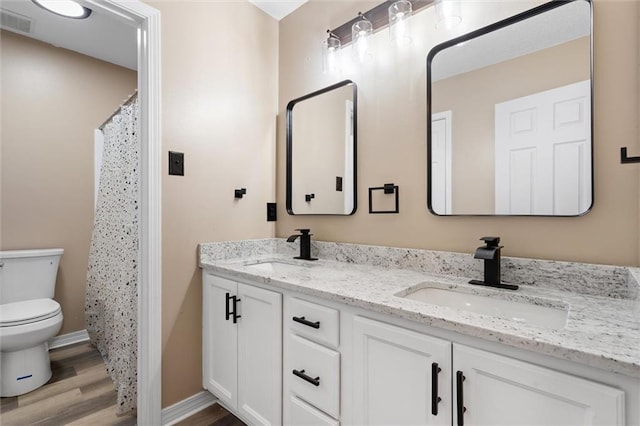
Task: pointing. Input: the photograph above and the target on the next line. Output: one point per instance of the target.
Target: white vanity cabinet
(283, 357)
(403, 377)
(496, 390)
(242, 348)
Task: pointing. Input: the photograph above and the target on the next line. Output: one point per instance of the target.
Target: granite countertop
(600, 331)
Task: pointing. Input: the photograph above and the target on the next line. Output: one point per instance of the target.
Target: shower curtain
(111, 303)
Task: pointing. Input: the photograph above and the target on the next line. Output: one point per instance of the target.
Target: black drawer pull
(314, 382)
(460, 398)
(435, 399)
(227, 314)
(308, 323)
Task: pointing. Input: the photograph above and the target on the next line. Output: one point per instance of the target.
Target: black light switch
(339, 183)
(176, 163)
(271, 212)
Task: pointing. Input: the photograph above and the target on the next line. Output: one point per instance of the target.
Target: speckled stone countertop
(603, 322)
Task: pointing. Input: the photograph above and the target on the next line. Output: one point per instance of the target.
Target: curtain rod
(125, 103)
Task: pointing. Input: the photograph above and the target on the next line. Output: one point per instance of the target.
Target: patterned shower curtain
(111, 303)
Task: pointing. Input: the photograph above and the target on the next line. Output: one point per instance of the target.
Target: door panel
(553, 129)
(393, 375)
(260, 355)
(441, 202)
(498, 390)
(220, 355)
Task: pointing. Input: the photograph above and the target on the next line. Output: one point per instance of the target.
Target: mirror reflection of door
(441, 162)
(543, 154)
(349, 160)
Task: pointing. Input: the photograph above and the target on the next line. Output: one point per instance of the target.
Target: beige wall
(392, 141)
(472, 97)
(52, 100)
(219, 106)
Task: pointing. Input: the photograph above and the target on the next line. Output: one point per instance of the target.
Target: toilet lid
(27, 311)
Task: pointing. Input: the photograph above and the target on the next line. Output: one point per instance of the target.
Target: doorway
(147, 20)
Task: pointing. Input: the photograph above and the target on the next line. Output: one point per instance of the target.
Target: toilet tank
(28, 274)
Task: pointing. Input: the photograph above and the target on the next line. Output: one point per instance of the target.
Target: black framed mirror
(509, 124)
(321, 139)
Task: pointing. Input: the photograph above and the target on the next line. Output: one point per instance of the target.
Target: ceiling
(100, 35)
(278, 9)
(560, 25)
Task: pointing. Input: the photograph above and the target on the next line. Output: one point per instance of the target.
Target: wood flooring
(81, 392)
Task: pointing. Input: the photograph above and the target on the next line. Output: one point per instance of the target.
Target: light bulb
(361, 32)
(399, 29)
(448, 14)
(330, 54)
(66, 8)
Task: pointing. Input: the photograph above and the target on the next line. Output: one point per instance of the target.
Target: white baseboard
(187, 407)
(68, 339)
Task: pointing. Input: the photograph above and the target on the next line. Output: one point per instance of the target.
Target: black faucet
(491, 255)
(305, 244)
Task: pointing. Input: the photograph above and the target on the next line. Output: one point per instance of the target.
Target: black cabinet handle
(435, 399)
(227, 314)
(314, 382)
(460, 398)
(306, 322)
(235, 309)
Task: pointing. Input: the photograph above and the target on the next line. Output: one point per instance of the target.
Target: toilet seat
(28, 311)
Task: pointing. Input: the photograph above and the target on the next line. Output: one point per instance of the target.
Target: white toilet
(29, 317)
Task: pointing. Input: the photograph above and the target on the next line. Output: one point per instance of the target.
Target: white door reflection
(542, 153)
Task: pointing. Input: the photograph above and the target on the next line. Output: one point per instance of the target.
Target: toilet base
(24, 370)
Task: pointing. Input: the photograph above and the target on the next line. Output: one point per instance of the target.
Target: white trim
(147, 19)
(187, 407)
(68, 339)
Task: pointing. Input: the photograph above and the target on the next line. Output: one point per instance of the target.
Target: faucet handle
(491, 241)
(304, 231)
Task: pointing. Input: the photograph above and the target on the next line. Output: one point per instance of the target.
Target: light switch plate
(272, 212)
(176, 163)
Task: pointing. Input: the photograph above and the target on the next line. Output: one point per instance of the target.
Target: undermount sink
(275, 267)
(524, 313)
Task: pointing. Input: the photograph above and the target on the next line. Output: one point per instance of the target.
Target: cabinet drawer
(303, 414)
(315, 321)
(314, 374)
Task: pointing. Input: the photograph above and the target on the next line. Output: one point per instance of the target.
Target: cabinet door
(260, 355)
(220, 340)
(393, 380)
(498, 390)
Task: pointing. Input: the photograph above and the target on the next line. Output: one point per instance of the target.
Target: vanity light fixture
(399, 27)
(330, 54)
(65, 8)
(359, 30)
(361, 33)
(448, 14)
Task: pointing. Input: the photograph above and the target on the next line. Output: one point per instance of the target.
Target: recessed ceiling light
(66, 8)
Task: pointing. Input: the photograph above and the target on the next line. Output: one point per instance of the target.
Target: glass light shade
(399, 28)
(330, 55)
(66, 8)
(448, 14)
(361, 34)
